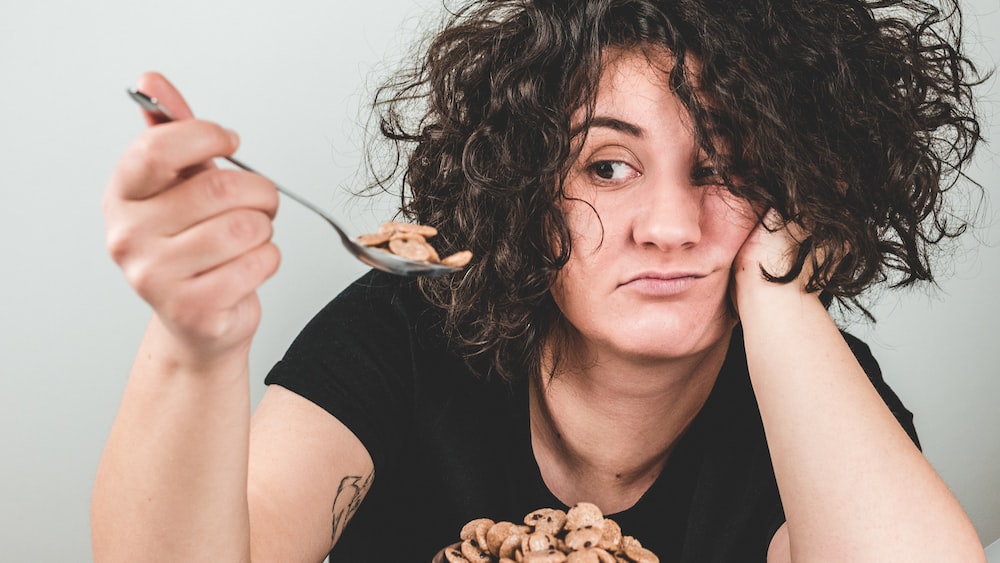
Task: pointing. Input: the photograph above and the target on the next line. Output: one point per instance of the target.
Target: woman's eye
(613, 170)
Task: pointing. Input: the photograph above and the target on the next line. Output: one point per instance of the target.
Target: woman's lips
(662, 285)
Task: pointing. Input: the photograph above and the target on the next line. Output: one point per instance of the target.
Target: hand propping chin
(770, 247)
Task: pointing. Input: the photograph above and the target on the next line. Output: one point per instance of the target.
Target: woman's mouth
(662, 284)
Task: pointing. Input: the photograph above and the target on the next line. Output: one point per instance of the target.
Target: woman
(661, 198)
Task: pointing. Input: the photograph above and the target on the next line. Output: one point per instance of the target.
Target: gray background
(294, 79)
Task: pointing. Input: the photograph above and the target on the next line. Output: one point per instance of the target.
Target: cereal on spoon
(408, 240)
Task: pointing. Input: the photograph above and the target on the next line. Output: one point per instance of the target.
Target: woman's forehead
(633, 83)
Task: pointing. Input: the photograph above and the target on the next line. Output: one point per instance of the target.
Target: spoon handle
(161, 114)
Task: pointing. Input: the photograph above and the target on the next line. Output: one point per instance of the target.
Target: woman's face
(654, 234)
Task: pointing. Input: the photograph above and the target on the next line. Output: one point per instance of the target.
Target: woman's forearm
(171, 485)
(853, 485)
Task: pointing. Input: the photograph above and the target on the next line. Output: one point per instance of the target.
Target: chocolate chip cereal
(548, 535)
(409, 241)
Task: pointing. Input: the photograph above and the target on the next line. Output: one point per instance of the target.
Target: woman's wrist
(162, 353)
(766, 301)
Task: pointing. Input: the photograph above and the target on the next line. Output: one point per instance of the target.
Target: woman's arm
(175, 483)
(171, 485)
(853, 485)
(194, 242)
(308, 476)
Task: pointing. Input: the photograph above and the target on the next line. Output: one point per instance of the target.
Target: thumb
(155, 85)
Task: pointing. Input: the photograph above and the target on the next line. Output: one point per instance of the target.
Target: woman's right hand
(193, 241)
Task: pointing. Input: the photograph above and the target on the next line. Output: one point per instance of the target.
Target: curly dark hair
(852, 118)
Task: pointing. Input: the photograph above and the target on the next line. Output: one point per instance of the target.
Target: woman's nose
(669, 216)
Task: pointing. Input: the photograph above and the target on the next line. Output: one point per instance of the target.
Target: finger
(217, 241)
(166, 153)
(209, 305)
(156, 85)
(141, 234)
(153, 264)
(197, 199)
(231, 282)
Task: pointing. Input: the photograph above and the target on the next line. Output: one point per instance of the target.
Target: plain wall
(294, 78)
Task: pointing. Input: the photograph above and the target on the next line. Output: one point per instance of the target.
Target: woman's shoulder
(375, 290)
(378, 324)
(378, 301)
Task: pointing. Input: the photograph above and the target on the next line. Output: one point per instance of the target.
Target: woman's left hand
(771, 247)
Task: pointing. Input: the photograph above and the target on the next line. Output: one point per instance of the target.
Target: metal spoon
(377, 259)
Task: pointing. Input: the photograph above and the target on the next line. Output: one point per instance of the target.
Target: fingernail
(233, 136)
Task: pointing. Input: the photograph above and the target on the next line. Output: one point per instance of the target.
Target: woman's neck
(603, 430)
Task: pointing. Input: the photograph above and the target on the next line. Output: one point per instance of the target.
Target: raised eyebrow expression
(610, 123)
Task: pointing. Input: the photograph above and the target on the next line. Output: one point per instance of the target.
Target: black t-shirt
(449, 447)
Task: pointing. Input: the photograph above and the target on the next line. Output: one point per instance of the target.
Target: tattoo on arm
(351, 491)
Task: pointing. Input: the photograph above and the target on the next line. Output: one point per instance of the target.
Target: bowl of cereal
(548, 535)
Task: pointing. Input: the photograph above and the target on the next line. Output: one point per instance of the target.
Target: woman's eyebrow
(612, 123)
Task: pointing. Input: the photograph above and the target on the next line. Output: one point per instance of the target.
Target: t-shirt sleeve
(353, 360)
